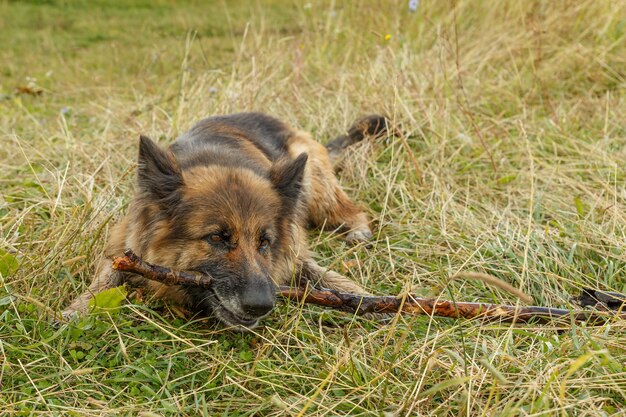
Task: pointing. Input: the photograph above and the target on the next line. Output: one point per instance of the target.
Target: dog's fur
(232, 198)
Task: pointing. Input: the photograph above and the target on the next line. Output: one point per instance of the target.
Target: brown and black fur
(232, 198)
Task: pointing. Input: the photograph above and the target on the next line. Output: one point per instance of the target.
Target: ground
(512, 165)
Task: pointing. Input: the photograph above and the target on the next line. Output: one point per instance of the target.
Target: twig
(133, 263)
(362, 304)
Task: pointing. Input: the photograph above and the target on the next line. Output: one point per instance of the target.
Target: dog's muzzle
(245, 306)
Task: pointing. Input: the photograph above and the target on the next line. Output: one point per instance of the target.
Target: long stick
(362, 304)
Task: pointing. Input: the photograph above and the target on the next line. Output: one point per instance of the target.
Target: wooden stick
(133, 263)
(363, 304)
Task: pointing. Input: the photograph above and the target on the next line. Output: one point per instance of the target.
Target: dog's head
(228, 222)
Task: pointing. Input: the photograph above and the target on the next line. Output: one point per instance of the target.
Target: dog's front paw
(67, 316)
(354, 237)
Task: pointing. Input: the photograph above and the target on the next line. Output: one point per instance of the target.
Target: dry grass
(516, 123)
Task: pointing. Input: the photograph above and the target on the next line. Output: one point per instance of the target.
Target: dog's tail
(373, 125)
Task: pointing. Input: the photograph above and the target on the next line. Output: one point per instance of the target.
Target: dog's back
(249, 140)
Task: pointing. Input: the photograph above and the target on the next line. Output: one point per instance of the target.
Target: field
(512, 165)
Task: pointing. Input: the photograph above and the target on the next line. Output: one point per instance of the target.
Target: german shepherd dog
(232, 198)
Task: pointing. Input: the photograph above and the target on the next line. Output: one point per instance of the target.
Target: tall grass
(512, 165)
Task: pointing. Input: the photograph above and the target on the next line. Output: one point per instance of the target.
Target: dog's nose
(258, 308)
(258, 298)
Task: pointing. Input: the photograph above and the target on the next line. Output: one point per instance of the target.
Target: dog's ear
(158, 174)
(287, 175)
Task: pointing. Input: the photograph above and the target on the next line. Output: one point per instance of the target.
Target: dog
(233, 198)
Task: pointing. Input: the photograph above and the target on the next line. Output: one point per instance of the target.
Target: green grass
(515, 119)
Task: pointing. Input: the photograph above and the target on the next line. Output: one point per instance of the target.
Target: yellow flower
(387, 37)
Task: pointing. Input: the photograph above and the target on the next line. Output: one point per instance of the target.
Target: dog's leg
(319, 276)
(105, 278)
(326, 202)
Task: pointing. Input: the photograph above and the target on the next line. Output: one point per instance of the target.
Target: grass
(516, 130)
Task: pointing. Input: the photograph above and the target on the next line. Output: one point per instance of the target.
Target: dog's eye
(264, 246)
(216, 238)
